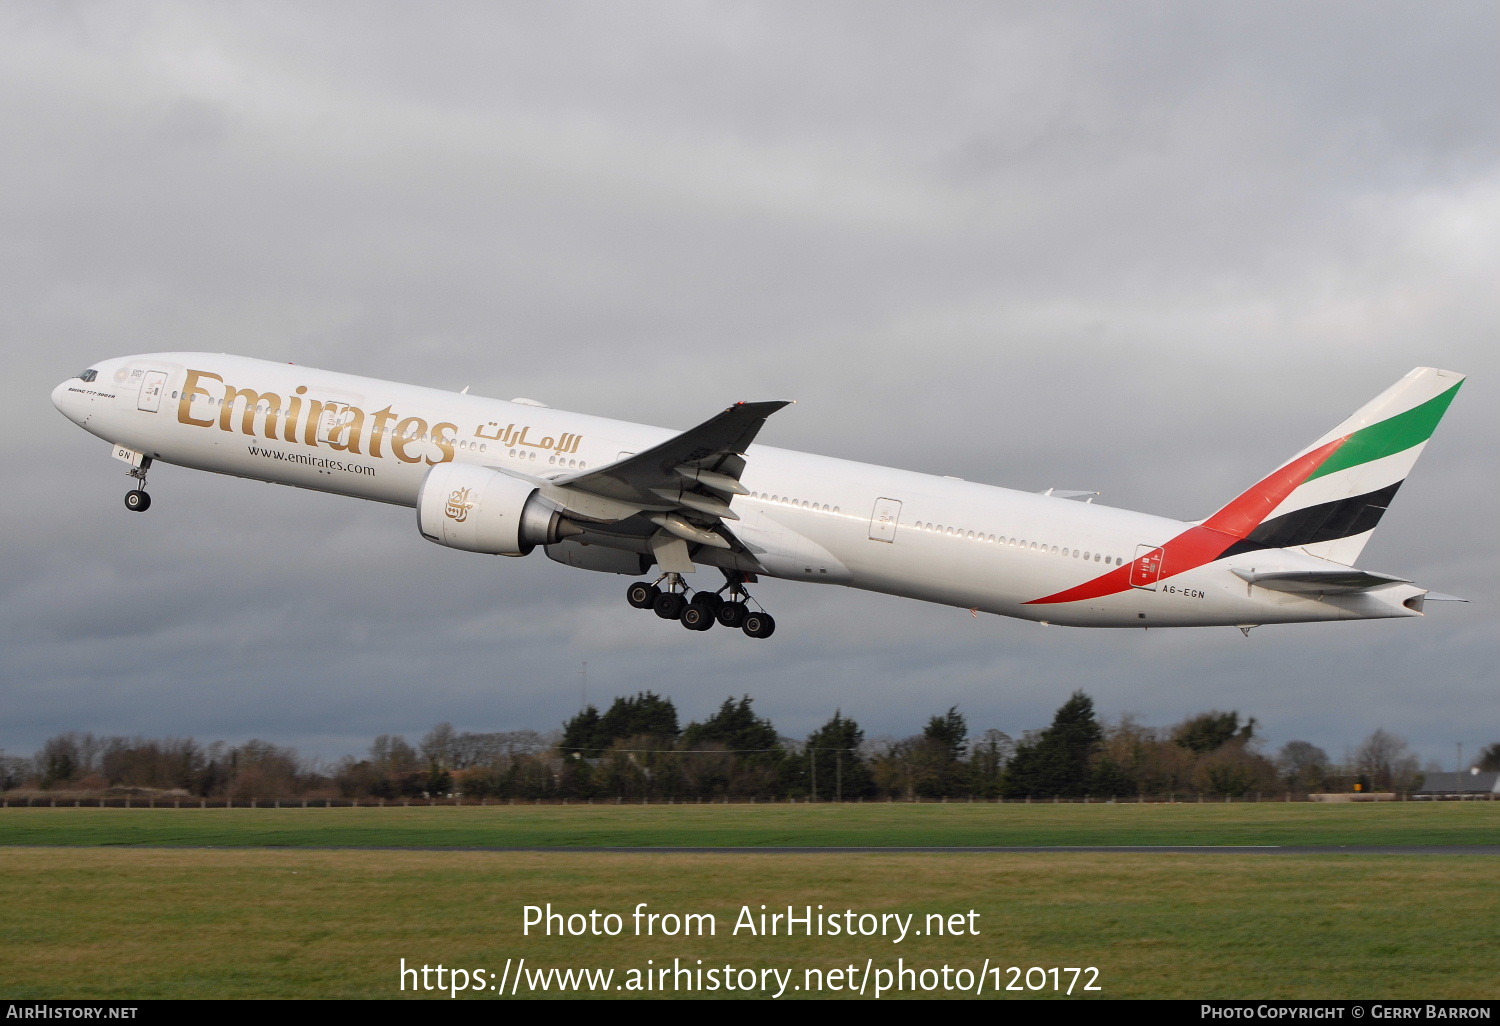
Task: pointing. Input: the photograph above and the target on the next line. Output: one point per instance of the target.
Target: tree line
(636, 748)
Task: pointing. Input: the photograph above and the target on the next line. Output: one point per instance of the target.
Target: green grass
(885, 825)
(133, 924)
(128, 904)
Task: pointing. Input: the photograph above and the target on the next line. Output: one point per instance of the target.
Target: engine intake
(482, 510)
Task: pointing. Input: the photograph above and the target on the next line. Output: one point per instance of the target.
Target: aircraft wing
(682, 486)
(702, 459)
(1318, 582)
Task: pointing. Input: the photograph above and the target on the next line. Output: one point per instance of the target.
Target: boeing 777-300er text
(491, 476)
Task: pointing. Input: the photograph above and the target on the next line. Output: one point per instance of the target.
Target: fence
(63, 800)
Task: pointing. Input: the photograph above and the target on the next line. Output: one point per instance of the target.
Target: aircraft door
(884, 519)
(340, 415)
(332, 421)
(1146, 570)
(152, 386)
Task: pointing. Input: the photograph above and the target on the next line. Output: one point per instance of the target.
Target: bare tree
(1303, 766)
(1234, 770)
(391, 754)
(437, 746)
(259, 769)
(1386, 762)
(1153, 762)
(13, 770)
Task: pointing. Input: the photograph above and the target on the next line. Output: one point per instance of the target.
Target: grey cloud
(1151, 250)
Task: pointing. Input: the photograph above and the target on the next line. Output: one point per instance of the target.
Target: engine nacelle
(482, 510)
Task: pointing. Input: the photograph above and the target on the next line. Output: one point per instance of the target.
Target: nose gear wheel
(136, 500)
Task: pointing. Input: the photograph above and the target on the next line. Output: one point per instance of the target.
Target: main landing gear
(136, 500)
(668, 596)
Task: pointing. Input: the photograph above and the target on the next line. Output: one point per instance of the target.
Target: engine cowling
(482, 510)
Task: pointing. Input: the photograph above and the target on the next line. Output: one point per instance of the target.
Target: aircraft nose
(67, 402)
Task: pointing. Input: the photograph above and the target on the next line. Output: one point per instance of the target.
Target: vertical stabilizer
(1329, 497)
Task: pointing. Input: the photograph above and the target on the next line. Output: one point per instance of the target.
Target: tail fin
(1328, 498)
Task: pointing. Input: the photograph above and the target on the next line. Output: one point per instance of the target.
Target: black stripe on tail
(1327, 521)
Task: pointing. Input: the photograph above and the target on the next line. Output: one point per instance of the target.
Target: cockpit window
(88, 375)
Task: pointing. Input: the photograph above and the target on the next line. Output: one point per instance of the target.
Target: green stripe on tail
(1389, 437)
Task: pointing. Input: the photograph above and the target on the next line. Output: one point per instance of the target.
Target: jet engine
(482, 510)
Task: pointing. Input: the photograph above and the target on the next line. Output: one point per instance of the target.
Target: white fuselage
(808, 517)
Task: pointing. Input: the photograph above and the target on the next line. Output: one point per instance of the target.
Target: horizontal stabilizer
(1318, 582)
(1437, 596)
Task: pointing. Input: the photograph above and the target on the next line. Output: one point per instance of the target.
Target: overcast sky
(1149, 249)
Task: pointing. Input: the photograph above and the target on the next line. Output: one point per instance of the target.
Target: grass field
(193, 922)
(885, 825)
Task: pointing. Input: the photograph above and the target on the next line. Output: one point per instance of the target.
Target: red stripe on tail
(1205, 542)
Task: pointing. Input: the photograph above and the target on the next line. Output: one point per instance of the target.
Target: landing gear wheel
(732, 614)
(642, 594)
(708, 600)
(696, 617)
(759, 625)
(137, 501)
(668, 605)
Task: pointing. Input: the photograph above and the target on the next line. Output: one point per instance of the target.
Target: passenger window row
(1019, 543)
(784, 500)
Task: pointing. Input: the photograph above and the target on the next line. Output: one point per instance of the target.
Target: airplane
(504, 477)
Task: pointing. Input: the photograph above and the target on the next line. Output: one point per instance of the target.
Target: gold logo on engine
(459, 505)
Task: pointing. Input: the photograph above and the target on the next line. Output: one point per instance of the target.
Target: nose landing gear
(136, 500)
(668, 597)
